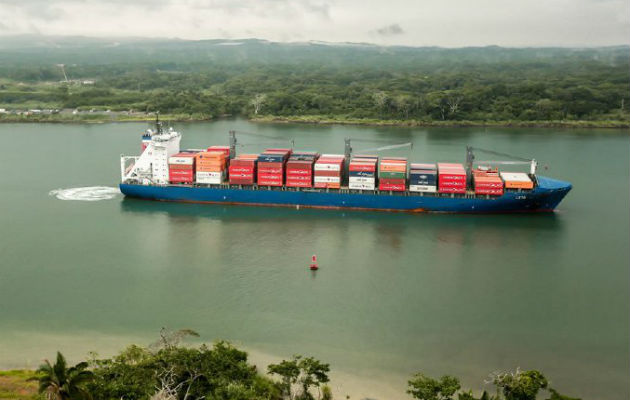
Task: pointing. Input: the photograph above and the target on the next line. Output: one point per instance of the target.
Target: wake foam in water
(91, 193)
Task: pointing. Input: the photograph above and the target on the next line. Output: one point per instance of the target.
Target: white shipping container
(515, 176)
(327, 179)
(361, 186)
(181, 160)
(422, 188)
(212, 178)
(212, 174)
(210, 181)
(361, 179)
(332, 156)
(323, 166)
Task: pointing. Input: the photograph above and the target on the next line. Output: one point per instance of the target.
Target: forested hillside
(205, 79)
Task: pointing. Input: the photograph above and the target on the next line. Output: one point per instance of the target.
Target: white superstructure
(151, 167)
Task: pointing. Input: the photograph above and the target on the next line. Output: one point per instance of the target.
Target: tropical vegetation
(169, 370)
(318, 83)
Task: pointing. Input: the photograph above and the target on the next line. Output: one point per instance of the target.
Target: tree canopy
(258, 78)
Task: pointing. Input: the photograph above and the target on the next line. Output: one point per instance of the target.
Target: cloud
(417, 23)
(389, 30)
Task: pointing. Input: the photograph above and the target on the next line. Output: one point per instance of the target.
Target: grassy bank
(14, 385)
(311, 119)
(328, 120)
(99, 118)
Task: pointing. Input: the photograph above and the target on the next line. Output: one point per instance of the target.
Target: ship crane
(515, 160)
(234, 141)
(349, 149)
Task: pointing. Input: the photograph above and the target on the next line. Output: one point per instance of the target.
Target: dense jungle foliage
(207, 79)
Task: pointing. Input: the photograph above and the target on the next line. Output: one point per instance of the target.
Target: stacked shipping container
(422, 178)
(271, 165)
(300, 169)
(211, 167)
(451, 178)
(487, 182)
(392, 174)
(242, 170)
(181, 168)
(279, 167)
(328, 171)
(362, 173)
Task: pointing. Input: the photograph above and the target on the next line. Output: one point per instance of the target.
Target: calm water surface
(458, 294)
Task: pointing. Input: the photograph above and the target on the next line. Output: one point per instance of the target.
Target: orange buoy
(313, 265)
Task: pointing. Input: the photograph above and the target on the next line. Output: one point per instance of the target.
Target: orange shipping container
(517, 180)
(212, 163)
(393, 167)
(214, 155)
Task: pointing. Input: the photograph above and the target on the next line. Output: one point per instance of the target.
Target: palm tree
(62, 383)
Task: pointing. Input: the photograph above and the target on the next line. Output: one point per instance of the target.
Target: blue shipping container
(271, 158)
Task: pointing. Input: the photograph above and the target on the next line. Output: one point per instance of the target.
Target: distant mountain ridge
(38, 49)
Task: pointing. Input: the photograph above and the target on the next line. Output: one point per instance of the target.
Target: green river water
(396, 293)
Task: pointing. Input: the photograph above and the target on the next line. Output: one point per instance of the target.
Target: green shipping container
(392, 175)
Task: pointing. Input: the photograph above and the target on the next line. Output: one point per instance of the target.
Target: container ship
(293, 178)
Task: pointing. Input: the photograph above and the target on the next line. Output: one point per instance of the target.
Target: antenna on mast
(232, 144)
(158, 124)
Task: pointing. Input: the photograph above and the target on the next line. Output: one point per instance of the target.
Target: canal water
(396, 294)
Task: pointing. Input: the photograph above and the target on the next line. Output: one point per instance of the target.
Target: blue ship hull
(545, 197)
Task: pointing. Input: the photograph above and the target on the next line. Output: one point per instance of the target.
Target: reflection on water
(387, 229)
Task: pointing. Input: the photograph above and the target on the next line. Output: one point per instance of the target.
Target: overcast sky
(449, 23)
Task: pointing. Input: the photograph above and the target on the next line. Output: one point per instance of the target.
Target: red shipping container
(300, 164)
(299, 172)
(269, 176)
(241, 181)
(181, 178)
(489, 185)
(180, 167)
(299, 184)
(451, 177)
(243, 162)
(270, 183)
(300, 177)
(270, 170)
(181, 172)
(243, 175)
(489, 181)
(362, 167)
(493, 192)
(327, 173)
(222, 149)
(451, 184)
(271, 164)
(391, 186)
(451, 190)
(240, 170)
(390, 181)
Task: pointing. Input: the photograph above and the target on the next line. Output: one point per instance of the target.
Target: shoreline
(319, 120)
